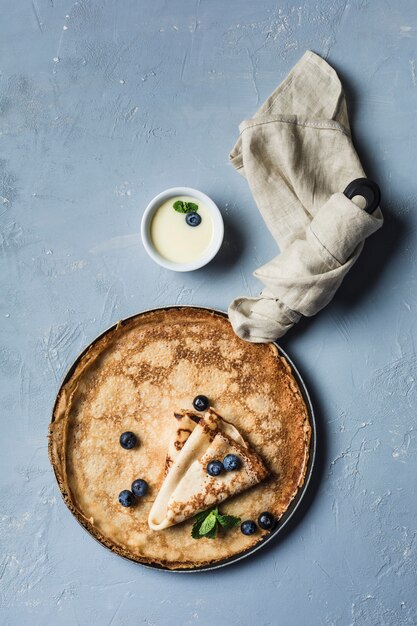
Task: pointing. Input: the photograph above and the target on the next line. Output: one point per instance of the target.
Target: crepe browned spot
(186, 422)
(135, 377)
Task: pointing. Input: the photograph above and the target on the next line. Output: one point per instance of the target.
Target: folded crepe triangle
(188, 488)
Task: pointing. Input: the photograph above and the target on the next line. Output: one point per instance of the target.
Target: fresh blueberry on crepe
(248, 527)
(215, 468)
(128, 440)
(193, 219)
(201, 403)
(231, 462)
(266, 520)
(126, 497)
(139, 487)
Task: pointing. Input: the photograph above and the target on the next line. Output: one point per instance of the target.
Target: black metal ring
(367, 189)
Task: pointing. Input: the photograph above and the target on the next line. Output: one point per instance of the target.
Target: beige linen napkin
(297, 156)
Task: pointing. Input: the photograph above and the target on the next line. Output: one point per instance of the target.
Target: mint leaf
(212, 534)
(202, 515)
(185, 207)
(209, 523)
(195, 531)
(199, 519)
(206, 523)
(179, 206)
(227, 521)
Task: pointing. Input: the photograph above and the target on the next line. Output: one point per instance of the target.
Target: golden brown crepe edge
(307, 429)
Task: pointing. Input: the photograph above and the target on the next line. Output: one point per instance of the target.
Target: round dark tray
(289, 513)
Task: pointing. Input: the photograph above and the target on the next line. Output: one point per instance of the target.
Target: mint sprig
(228, 521)
(183, 206)
(207, 523)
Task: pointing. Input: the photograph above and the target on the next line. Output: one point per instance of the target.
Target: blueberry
(193, 219)
(128, 440)
(266, 520)
(231, 462)
(139, 487)
(248, 527)
(201, 403)
(214, 468)
(126, 497)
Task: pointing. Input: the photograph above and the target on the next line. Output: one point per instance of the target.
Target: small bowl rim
(218, 229)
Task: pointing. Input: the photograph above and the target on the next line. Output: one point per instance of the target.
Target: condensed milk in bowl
(182, 229)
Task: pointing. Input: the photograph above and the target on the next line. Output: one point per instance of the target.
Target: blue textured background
(104, 104)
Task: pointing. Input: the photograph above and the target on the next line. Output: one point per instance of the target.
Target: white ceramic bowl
(218, 229)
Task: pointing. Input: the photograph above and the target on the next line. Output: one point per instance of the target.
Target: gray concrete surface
(105, 103)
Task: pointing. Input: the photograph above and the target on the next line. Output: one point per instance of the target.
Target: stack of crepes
(188, 488)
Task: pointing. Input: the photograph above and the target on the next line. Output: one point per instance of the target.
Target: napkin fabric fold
(297, 156)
